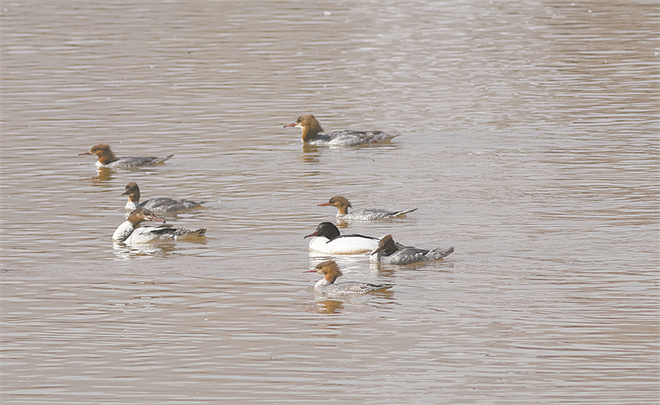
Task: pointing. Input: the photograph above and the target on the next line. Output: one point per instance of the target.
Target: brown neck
(310, 130)
(107, 157)
(135, 220)
(309, 134)
(390, 248)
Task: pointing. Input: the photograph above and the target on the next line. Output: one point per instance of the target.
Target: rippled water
(529, 142)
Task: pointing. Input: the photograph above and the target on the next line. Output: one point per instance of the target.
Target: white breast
(343, 245)
(141, 235)
(123, 231)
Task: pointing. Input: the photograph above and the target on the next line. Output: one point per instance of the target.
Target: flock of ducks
(326, 239)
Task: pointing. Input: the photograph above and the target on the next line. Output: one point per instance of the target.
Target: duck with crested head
(312, 133)
(390, 252)
(327, 239)
(328, 285)
(106, 158)
(159, 205)
(130, 232)
(364, 214)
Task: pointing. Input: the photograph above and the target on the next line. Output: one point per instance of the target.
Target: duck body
(128, 162)
(370, 214)
(147, 234)
(328, 285)
(130, 232)
(163, 205)
(313, 134)
(326, 239)
(347, 137)
(364, 214)
(390, 252)
(346, 287)
(158, 205)
(343, 245)
(106, 158)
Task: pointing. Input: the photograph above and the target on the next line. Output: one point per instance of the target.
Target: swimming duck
(327, 239)
(130, 232)
(108, 159)
(311, 133)
(390, 252)
(364, 214)
(158, 205)
(328, 285)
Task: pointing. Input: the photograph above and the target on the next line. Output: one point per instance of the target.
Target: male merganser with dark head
(311, 133)
(364, 214)
(159, 205)
(130, 232)
(326, 239)
(328, 285)
(390, 252)
(108, 159)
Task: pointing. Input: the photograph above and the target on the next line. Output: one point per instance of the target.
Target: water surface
(529, 142)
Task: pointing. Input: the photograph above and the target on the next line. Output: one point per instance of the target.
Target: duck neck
(134, 197)
(308, 134)
(310, 131)
(107, 157)
(390, 248)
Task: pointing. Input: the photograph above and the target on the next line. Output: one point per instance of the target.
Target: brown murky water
(529, 142)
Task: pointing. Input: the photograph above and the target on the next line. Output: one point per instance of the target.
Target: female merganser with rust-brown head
(312, 133)
(390, 252)
(159, 205)
(328, 285)
(108, 159)
(364, 214)
(130, 232)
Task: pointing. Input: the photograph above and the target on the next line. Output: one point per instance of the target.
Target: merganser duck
(390, 252)
(159, 205)
(108, 159)
(328, 286)
(311, 129)
(364, 214)
(326, 239)
(130, 232)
